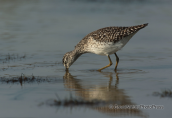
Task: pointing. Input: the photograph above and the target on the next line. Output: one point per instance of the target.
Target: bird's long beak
(67, 70)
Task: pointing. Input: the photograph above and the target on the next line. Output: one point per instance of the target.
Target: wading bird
(105, 41)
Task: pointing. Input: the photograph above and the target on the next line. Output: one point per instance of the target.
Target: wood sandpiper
(105, 41)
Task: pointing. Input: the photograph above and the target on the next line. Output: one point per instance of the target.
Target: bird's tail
(138, 27)
(134, 29)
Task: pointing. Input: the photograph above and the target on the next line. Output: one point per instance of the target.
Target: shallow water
(36, 34)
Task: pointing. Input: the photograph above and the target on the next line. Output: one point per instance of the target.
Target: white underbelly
(107, 48)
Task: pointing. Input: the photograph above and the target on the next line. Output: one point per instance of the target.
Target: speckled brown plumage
(105, 41)
(111, 34)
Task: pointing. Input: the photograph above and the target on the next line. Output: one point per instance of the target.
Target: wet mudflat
(35, 35)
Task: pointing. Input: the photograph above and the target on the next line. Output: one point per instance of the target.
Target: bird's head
(68, 60)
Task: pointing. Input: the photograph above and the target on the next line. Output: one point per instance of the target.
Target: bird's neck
(76, 53)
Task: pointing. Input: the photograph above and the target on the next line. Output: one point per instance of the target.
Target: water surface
(36, 34)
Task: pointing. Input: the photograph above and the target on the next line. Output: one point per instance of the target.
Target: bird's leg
(110, 63)
(117, 60)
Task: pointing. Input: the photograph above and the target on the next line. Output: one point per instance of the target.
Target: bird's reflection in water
(109, 94)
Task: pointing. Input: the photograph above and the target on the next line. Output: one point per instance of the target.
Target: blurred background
(35, 34)
(58, 25)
